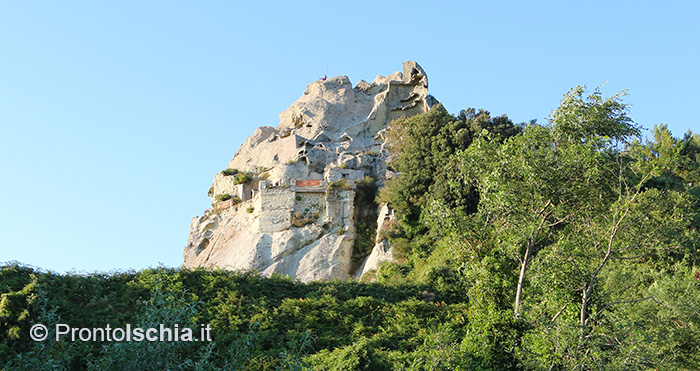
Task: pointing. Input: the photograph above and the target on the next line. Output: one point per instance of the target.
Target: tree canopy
(583, 231)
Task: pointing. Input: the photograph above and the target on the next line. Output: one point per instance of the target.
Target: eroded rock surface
(286, 205)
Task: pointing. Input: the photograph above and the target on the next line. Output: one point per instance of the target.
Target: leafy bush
(242, 178)
(224, 197)
(168, 309)
(361, 355)
(339, 184)
(229, 172)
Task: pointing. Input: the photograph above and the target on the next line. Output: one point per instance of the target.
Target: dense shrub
(229, 172)
(257, 323)
(223, 197)
(241, 178)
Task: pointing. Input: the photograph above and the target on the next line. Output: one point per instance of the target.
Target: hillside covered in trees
(568, 245)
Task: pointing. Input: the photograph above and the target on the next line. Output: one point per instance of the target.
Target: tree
(583, 225)
(579, 119)
(423, 149)
(606, 263)
(529, 188)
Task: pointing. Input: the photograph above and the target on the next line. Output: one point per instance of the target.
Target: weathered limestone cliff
(286, 203)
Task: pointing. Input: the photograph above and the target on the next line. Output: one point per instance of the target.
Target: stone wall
(340, 207)
(308, 203)
(276, 206)
(222, 185)
(243, 191)
(226, 184)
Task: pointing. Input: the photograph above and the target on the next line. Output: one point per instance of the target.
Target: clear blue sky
(115, 116)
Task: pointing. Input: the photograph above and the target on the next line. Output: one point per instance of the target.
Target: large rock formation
(286, 203)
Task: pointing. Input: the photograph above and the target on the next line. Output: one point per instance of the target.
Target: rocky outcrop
(286, 203)
(382, 251)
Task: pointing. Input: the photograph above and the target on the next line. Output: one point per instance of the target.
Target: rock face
(286, 203)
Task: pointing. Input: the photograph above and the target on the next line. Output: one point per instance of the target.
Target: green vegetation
(257, 323)
(241, 178)
(229, 172)
(576, 242)
(570, 245)
(250, 209)
(425, 146)
(308, 215)
(224, 197)
(339, 184)
(304, 218)
(366, 212)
